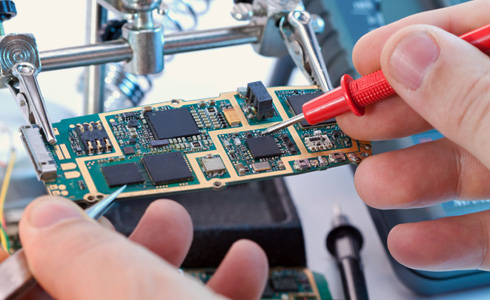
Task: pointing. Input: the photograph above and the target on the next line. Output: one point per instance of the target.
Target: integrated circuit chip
(128, 150)
(121, 174)
(167, 168)
(172, 123)
(263, 147)
(296, 103)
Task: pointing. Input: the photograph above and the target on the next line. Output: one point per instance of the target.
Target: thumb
(73, 257)
(444, 79)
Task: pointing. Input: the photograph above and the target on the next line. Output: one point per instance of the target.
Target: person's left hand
(73, 257)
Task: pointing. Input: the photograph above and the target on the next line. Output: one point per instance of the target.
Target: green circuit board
(284, 284)
(180, 146)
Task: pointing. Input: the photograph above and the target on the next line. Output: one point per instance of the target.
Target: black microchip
(285, 284)
(172, 123)
(296, 103)
(129, 115)
(263, 147)
(159, 143)
(167, 168)
(117, 175)
(132, 141)
(128, 150)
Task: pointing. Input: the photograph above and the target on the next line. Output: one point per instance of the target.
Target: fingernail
(50, 211)
(412, 59)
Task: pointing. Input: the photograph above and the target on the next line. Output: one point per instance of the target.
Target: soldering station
(226, 157)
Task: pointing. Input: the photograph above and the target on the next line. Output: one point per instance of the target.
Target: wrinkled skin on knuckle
(471, 108)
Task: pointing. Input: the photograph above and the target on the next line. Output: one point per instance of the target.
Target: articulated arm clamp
(19, 66)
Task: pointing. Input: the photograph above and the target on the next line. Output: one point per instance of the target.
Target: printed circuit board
(284, 284)
(181, 146)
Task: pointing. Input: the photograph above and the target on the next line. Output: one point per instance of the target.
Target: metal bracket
(302, 45)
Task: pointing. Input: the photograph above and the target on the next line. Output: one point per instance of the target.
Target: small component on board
(336, 157)
(213, 166)
(231, 117)
(262, 166)
(302, 164)
(94, 137)
(260, 99)
(318, 143)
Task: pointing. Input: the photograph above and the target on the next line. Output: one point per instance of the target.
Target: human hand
(442, 82)
(73, 257)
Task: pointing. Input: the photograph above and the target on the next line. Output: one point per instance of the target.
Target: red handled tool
(354, 95)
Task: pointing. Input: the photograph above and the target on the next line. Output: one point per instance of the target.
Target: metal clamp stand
(142, 46)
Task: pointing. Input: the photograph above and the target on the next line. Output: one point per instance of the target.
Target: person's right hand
(73, 257)
(442, 82)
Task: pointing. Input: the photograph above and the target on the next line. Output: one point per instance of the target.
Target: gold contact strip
(192, 157)
(58, 152)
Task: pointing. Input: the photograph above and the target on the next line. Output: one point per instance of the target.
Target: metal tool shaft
(98, 210)
(284, 124)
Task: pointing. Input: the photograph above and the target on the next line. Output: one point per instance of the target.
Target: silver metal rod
(212, 38)
(94, 75)
(102, 53)
(115, 51)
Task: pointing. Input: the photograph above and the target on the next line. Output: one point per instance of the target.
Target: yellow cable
(3, 195)
(5, 242)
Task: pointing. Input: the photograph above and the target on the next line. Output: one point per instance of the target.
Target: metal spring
(122, 89)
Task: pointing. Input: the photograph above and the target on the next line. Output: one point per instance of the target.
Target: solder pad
(196, 130)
